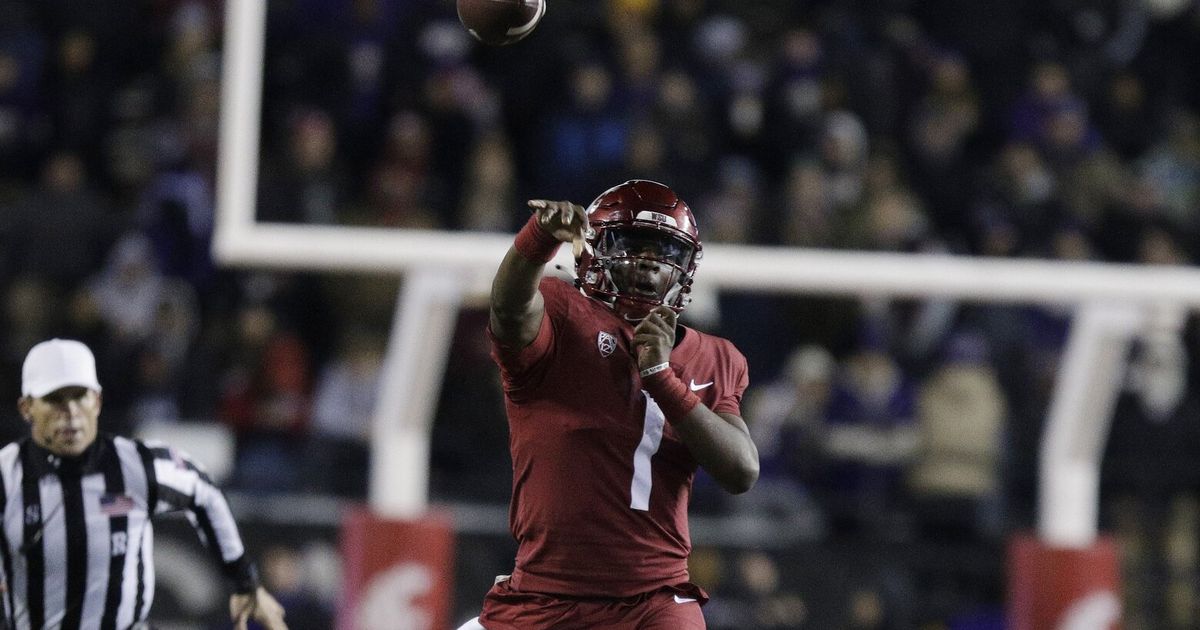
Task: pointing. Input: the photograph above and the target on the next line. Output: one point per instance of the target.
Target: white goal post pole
(240, 121)
(409, 384)
(1090, 377)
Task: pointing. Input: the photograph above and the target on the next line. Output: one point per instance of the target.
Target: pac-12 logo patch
(606, 342)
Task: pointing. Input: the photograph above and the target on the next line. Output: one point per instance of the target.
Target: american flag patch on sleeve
(116, 504)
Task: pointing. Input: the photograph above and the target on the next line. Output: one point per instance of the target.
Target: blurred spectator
(844, 150)
(682, 118)
(22, 59)
(372, 24)
(396, 189)
(128, 290)
(29, 309)
(284, 574)
(752, 590)
(946, 121)
(1157, 537)
(306, 185)
(338, 449)
(1151, 417)
(647, 151)
(790, 414)
(1026, 191)
(165, 358)
(1127, 117)
(138, 317)
(464, 461)
(871, 439)
(458, 103)
(1091, 175)
(586, 140)
(1181, 552)
(265, 399)
(1172, 167)
(639, 53)
(1048, 91)
(892, 220)
(808, 217)
(81, 92)
(769, 605)
(794, 95)
(729, 212)
(955, 478)
(1157, 375)
(1160, 245)
(177, 213)
(65, 227)
(489, 197)
(1132, 530)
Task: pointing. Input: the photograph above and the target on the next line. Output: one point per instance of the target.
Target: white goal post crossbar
(1115, 303)
(724, 267)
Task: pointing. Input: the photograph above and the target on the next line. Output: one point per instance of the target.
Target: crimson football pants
(506, 608)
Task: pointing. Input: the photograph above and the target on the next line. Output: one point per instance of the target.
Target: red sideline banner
(1063, 589)
(398, 574)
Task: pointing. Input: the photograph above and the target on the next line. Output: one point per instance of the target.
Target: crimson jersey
(600, 482)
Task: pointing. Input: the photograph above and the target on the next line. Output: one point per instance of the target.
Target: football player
(611, 407)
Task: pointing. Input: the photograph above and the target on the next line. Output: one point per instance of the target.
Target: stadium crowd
(1058, 130)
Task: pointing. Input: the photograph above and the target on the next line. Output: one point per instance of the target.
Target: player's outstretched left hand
(654, 337)
(259, 606)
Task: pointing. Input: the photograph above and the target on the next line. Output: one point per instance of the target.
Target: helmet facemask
(642, 246)
(636, 268)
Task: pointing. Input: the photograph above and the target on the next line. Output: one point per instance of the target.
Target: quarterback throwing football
(611, 407)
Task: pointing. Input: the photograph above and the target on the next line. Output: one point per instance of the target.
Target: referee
(76, 537)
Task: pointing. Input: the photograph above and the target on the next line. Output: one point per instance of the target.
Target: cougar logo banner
(1101, 609)
(398, 573)
(606, 342)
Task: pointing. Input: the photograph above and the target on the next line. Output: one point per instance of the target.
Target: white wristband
(654, 369)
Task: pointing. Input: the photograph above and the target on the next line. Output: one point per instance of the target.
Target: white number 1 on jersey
(652, 430)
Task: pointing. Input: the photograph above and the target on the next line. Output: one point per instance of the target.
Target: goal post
(1114, 303)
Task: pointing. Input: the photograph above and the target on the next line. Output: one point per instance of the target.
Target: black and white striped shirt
(77, 535)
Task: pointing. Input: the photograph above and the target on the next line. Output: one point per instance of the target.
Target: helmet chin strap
(635, 313)
(629, 311)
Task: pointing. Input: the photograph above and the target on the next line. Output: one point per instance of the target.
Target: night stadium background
(899, 437)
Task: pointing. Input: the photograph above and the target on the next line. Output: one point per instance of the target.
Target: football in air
(500, 22)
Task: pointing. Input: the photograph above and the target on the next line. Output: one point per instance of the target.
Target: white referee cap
(55, 364)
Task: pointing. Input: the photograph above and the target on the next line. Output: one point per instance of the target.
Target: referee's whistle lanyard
(36, 538)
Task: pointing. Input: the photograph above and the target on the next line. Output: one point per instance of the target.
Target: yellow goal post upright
(443, 271)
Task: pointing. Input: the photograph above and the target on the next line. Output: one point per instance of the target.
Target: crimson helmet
(643, 251)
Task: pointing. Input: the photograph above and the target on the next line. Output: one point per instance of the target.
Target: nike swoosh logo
(684, 600)
(694, 387)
